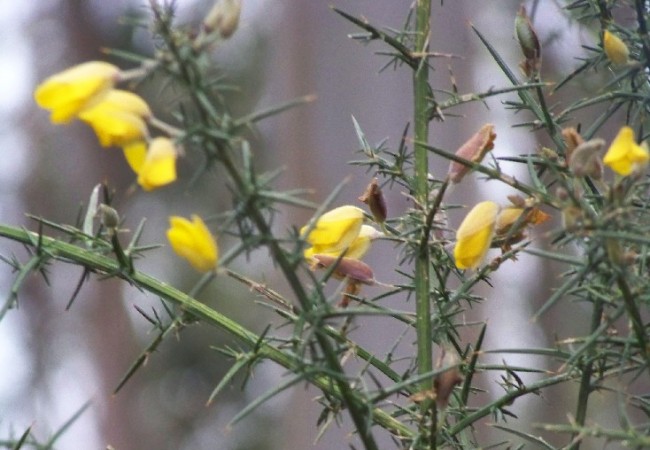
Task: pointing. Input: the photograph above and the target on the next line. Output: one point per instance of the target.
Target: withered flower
(374, 198)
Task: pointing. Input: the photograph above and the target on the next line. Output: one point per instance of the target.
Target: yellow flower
(135, 154)
(194, 242)
(625, 155)
(69, 92)
(159, 166)
(334, 231)
(356, 250)
(615, 49)
(474, 235)
(118, 119)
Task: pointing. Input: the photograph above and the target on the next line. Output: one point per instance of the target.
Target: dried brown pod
(585, 159)
(446, 381)
(374, 198)
(572, 139)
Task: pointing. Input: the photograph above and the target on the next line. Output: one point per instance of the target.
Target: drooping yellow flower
(159, 166)
(474, 235)
(624, 154)
(334, 231)
(69, 92)
(194, 242)
(118, 119)
(615, 49)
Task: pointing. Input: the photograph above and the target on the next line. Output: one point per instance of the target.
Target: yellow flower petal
(334, 231)
(69, 92)
(135, 154)
(193, 242)
(159, 167)
(118, 119)
(615, 49)
(474, 235)
(624, 154)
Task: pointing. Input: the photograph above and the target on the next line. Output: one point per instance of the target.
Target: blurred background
(53, 361)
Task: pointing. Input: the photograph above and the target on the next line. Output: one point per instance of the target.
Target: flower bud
(223, 18)
(473, 150)
(352, 269)
(585, 159)
(529, 43)
(374, 198)
(572, 140)
(615, 49)
(108, 217)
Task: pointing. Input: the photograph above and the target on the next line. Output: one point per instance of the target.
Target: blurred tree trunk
(66, 163)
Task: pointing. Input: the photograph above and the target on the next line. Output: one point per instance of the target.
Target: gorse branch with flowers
(583, 206)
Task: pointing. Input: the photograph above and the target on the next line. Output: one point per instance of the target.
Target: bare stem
(422, 94)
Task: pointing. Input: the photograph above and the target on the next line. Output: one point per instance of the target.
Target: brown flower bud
(517, 200)
(572, 139)
(223, 18)
(473, 150)
(374, 198)
(446, 381)
(529, 43)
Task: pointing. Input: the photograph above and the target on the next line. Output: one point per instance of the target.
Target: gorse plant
(591, 196)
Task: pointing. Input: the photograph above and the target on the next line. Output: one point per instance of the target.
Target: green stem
(585, 379)
(191, 75)
(70, 253)
(421, 94)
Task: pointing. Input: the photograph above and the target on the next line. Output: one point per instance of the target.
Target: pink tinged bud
(473, 150)
(349, 268)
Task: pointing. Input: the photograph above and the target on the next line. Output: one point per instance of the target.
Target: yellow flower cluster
(488, 224)
(339, 240)
(119, 118)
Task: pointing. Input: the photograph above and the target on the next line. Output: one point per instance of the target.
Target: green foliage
(600, 239)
